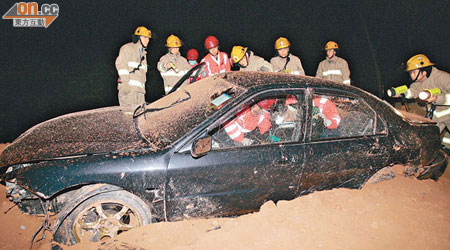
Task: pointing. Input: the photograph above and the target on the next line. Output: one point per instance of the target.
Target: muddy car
(219, 147)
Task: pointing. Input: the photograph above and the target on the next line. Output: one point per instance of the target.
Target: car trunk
(95, 131)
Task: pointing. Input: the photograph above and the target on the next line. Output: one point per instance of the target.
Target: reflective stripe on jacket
(246, 122)
(294, 66)
(170, 75)
(334, 69)
(132, 73)
(216, 66)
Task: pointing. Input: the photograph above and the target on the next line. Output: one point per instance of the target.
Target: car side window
(267, 120)
(341, 117)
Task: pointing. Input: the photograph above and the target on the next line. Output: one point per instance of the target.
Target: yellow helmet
(237, 53)
(417, 62)
(142, 31)
(173, 42)
(282, 43)
(331, 45)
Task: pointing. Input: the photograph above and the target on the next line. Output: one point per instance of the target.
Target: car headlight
(12, 169)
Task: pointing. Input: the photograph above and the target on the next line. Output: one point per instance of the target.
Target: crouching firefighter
(248, 61)
(131, 65)
(432, 86)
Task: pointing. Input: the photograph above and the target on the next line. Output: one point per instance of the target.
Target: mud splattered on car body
(176, 160)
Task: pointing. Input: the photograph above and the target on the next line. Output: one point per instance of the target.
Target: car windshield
(166, 120)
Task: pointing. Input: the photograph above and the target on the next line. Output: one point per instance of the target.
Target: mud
(94, 131)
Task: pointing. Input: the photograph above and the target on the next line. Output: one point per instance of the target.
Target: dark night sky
(69, 66)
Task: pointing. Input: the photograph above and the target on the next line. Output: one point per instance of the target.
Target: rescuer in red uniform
(215, 61)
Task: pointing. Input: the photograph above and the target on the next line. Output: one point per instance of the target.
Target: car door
(237, 177)
(347, 140)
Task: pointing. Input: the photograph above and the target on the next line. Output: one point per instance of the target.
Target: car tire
(103, 216)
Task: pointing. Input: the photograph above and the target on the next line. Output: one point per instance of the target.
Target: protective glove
(279, 119)
(321, 116)
(247, 142)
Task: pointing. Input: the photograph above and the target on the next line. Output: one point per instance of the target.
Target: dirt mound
(17, 229)
(400, 213)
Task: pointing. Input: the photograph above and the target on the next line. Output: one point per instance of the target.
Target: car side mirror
(201, 146)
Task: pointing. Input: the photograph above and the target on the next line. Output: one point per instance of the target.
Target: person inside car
(287, 110)
(246, 121)
(325, 117)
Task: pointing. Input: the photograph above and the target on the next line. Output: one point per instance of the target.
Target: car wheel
(104, 216)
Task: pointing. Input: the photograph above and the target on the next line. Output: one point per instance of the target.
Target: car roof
(248, 80)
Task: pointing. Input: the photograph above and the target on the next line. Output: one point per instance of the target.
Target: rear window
(173, 116)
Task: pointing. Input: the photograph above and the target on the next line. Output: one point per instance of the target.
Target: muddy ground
(402, 213)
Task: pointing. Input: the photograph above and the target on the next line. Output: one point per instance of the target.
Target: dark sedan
(219, 147)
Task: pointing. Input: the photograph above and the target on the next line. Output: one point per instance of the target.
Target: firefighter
(131, 65)
(172, 65)
(215, 61)
(248, 61)
(427, 77)
(333, 67)
(286, 62)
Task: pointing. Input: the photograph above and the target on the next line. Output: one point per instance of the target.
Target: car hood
(94, 131)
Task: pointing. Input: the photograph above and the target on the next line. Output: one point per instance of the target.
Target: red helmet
(192, 54)
(267, 103)
(211, 42)
(290, 99)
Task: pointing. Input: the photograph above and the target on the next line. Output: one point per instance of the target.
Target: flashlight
(174, 67)
(397, 91)
(428, 93)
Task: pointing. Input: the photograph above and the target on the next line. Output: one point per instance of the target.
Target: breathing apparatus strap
(287, 61)
(430, 111)
(139, 65)
(142, 58)
(420, 71)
